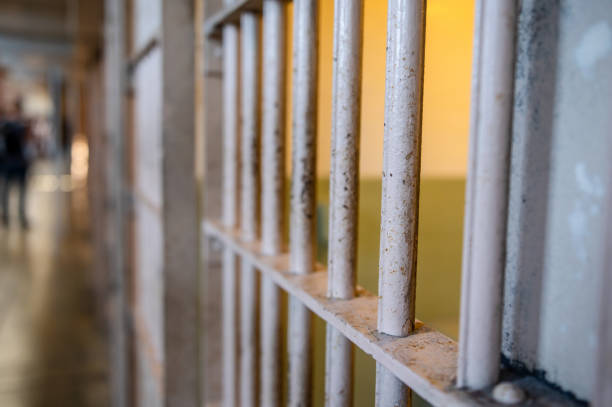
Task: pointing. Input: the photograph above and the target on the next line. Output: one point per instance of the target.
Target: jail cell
(410, 356)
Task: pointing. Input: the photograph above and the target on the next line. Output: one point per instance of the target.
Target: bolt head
(508, 393)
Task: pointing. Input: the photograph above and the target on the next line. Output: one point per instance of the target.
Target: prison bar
(249, 110)
(213, 26)
(602, 391)
(272, 193)
(230, 214)
(344, 190)
(400, 182)
(426, 360)
(486, 195)
(303, 200)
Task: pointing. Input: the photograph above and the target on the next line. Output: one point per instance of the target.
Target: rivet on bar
(249, 47)
(303, 178)
(400, 183)
(486, 195)
(273, 192)
(230, 210)
(344, 190)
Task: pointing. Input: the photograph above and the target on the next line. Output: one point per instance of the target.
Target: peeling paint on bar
(303, 178)
(400, 180)
(344, 190)
(273, 192)
(486, 195)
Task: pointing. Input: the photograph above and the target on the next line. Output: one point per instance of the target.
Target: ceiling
(39, 35)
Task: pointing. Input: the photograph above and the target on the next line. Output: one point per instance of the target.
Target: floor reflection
(52, 348)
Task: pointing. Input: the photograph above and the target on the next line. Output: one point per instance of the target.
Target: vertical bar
(486, 196)
(211, 288)
(230, 125)
(303, 178)
(400, 182)
(602, 394)
(115, 85)
(249, 30)
(230, 215)
(230, 361)
(344, 190)
(179, 216)
(273, 191)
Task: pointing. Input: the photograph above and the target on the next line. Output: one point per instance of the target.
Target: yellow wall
(448, 56)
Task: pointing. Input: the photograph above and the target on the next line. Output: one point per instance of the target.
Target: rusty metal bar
(230, 211)
(249, 86)
(344, 189)
(486, 195)
(273, 191)
(303, 200)
(400, 183)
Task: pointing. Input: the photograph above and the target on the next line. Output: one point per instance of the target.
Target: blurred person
(15, 162)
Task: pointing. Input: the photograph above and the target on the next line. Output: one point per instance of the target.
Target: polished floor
(52, 347)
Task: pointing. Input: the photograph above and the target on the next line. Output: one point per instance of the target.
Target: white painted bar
(339, 361)
(270, 331)
(303, 200)
(273, 191)
(115, 83)
(230, 212)
(249, 86)
(400, 183)
(426, 360)
(230, 337)
(602, 390)
(344, 179)
(300, 354)
(230, 125)
(486, 195)
(229, 14)
(248, 335)
(249, 119)
(273, 126)
(303, 176)
(401, 166)
(390, 391)
(344, 190)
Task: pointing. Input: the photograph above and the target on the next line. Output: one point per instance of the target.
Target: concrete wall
(560, 165)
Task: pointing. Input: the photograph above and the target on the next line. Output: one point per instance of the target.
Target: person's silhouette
(14, 133)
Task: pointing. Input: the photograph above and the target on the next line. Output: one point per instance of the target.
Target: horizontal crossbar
(426, 361)
(229, 14)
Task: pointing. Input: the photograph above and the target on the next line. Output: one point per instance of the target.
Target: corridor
(52, 351)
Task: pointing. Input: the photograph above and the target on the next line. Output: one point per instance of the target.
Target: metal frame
(409, 354)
